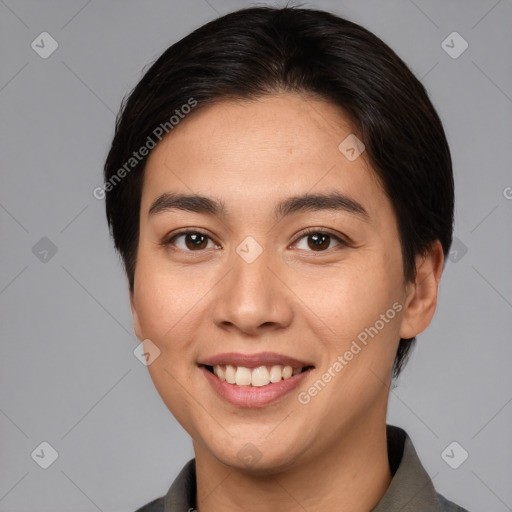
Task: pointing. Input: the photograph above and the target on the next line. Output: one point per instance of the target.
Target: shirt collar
(411, 488)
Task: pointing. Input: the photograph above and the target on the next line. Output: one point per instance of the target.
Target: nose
(253, 297)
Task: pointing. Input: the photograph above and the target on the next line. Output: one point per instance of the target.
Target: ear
(421, 294)
(135, 317)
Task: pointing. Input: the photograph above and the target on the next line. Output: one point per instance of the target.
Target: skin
(329, 454)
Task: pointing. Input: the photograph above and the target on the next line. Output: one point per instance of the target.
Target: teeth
(261, 376)
(219, 372)
(230, 374)
(287, 372)
(276, 373)
(243, 376)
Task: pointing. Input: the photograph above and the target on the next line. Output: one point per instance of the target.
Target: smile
(253, 380)
(256, 377)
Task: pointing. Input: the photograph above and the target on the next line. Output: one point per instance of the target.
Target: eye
(189, 241)
(319, 240)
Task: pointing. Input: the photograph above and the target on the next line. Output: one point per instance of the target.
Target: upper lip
(253, 360)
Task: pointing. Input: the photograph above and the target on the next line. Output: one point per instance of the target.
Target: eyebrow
(335, 201)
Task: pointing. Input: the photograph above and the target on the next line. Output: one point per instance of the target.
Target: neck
(351, 476)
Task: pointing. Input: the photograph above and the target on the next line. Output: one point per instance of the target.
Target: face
(237, 279)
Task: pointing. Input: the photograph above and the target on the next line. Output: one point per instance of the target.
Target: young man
(280, 189)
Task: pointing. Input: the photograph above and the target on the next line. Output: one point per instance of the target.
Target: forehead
(258, 151)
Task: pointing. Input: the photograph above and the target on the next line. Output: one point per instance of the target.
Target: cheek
(353, 296)
(362, 314)
(166, 316)
(162, 299)
(359, 305)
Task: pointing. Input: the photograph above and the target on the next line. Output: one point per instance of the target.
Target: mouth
(254, 380)
(259, 376)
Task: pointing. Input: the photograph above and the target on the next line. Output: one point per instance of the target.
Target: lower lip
(253, 396)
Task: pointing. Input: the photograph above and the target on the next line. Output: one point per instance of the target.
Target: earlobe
(421, 295)
(135, 317)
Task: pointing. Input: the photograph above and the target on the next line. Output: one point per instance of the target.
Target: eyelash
(308, 231)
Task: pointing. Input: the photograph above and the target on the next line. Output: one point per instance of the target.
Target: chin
(257, 457)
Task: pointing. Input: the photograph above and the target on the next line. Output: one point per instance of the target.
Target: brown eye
(196, 241)
(190, 241)
(318, 241)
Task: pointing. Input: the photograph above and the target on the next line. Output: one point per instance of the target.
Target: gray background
(68, 375)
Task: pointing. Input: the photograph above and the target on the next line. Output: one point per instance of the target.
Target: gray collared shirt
(410, 490)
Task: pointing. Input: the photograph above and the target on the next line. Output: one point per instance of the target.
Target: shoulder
(445, 505)
(153, 506)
